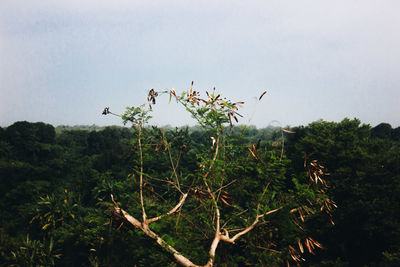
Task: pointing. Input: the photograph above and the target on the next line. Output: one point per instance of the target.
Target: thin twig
(172, 162)
(283, 145)
(262, 195)
(173, 210)
(144, 217)
(228, 239)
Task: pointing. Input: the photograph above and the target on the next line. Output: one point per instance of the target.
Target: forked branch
(212, 113)
(225, 237)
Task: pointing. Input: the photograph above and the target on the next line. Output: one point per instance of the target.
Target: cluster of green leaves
(35, 253)
(136, 115)
(211, 112)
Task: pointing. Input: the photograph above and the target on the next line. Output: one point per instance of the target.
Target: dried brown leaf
(300, 246)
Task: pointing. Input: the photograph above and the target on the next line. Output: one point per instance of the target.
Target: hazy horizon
(272, 124)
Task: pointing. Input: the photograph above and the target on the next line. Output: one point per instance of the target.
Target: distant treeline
(55, 186)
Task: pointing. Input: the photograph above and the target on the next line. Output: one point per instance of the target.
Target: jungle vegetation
(325, 194)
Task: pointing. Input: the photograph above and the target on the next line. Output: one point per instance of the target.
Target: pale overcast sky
(62, 61)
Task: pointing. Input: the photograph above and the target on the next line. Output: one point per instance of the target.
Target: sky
(62, 62)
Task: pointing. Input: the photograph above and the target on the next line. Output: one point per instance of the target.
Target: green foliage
(212, 112)
(364, 174)
(256, 179)
(136, 115)
(53, 211)
(35, 253)
(44, 225)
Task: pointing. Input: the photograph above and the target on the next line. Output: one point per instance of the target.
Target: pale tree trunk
(144, 225)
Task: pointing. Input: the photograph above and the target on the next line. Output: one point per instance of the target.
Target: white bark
(173, 210)
(225, 237)
(145, 228)
(144, 225)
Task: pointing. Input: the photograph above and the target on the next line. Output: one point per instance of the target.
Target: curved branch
(173, 210)
(161, 242)
(225, 237)
(217, 236)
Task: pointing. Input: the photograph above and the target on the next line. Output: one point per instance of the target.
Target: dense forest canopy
(55, 194)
